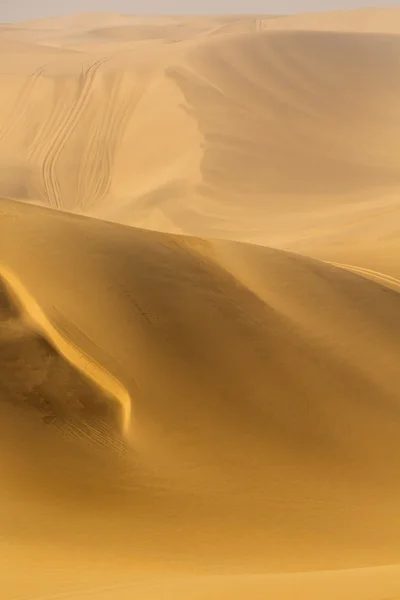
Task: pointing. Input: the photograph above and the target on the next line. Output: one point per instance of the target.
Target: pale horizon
(23, 10)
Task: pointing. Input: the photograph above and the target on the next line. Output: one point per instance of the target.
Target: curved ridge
(89, 367)
(387, 280)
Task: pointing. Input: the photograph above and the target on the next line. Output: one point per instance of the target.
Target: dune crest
(33, 314)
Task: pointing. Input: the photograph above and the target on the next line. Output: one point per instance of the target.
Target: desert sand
(199, 307)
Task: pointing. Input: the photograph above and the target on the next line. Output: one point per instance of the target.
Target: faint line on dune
(21, 106)
(72, 353)
(64, 132)
(387, 279)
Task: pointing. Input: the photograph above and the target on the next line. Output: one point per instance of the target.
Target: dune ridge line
(369, 273)
(72, 353)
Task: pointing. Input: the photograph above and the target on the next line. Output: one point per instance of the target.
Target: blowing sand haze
(199, 307)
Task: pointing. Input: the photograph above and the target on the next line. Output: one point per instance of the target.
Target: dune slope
(248, 369)
(280, 131)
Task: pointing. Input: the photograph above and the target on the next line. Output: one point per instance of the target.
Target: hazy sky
(18, 10)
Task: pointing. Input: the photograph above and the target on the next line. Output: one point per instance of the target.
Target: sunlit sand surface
(199, 307)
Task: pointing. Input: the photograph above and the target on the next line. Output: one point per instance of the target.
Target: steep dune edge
(40, 387)
(35, 317)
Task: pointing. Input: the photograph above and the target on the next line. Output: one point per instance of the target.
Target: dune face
(280, 131)
(183, 414)
(264, 400)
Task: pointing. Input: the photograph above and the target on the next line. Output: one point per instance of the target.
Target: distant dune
(183, 414)
(280, 131)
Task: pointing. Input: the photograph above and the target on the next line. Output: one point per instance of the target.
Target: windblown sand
(184, 414)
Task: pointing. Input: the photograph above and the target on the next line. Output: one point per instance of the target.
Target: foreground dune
(263, 430)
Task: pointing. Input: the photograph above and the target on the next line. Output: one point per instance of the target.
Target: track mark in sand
(99, 435)
(388, 280)
(64, 132)
(96, 172)
(42, 137)
(21, 105)
(74, 355)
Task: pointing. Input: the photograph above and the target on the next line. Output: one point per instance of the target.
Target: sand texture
(199, 307)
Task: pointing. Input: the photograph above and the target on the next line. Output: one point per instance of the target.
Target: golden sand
(184, 414)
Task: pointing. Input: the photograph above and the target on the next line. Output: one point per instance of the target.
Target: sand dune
(182, 414)
(32, 313)
(279, 131)
(368, 20)
(247, 368)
